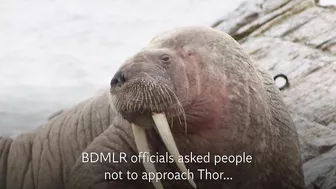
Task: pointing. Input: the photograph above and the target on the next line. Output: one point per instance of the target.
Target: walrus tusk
(167, 137)
(142, 145)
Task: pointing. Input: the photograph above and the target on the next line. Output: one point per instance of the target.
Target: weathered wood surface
(297, 38)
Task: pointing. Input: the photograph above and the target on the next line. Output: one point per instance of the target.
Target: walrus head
(174, 81)
(145, 86)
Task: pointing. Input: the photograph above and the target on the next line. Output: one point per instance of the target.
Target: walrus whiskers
(180, 110)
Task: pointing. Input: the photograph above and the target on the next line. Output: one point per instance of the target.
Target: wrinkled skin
(43, 158)
(215, 97)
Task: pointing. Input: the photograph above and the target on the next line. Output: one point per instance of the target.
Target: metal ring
(285, 77)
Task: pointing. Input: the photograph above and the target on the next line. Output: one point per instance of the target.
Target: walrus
(194, 89)
(192, 92)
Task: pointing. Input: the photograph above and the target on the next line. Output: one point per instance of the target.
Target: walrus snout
(142, 87)
(146, 98)
(118, 79)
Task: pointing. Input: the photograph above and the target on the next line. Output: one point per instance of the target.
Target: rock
(55, 114)
(315, 139)
(247, 12)
(297, 38)
(324, 173)
(332, 126)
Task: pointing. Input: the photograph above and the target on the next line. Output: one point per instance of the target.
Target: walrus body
(216, 100)
(198, 81)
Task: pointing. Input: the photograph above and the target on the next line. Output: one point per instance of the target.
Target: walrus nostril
(118, 79)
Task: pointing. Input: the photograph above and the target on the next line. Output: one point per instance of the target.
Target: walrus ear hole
(165, 58)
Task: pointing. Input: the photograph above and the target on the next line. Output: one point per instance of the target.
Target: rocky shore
(297, 38)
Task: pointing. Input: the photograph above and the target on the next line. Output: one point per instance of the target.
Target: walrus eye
(165, 58)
